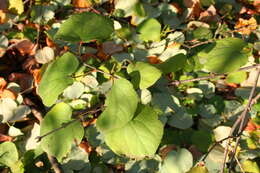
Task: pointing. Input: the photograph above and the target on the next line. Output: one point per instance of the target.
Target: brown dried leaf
(25, 47)
(209, 15)
(110, 47)
(190, 3)
(4, 5)
(23, 79)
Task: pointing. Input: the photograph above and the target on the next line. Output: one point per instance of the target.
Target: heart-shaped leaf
(138, 138)
(59, 142)
(57, 77)
(121, 105)
(225, 55)
(85, 27)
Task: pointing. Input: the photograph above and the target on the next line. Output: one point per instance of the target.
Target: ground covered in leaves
(129, 86)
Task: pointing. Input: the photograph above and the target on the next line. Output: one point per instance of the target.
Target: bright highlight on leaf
(59, 143)
(85, 27)
(131, 131)
(16, 6)
(57, 77)
(150, 30)
(143, 75)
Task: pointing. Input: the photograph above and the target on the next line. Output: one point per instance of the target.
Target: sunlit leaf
(96, 27)
(121, 105)
(59, 143)
(149, 30)
(57, 77)
(138, 138)
(143, 74)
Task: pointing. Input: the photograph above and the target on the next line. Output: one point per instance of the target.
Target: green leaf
(177, 161)
(138, 138)
(173, 64)
(143, 74)
(202, 140)
(56, 78)
(149, 30)
(16, 6)
(250, 166)
(225, 55)
(41, 14)
(8, 154)
(236, 77)
(96, 27)
(59, 142)
(121, 104)
(202, 33)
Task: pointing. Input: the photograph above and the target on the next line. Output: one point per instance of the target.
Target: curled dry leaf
(25, 47)
(245, 26)
(23, 79)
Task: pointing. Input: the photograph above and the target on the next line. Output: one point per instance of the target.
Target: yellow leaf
(16, 6)
(3, 17)
(246, 26)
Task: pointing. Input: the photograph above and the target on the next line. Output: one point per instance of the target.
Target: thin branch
(55, 164)
(197, 44)
(64, 125)
(100, 71)
(215, 144)
(239, 164)
(211, 76)
(244, 117)
(241, 121)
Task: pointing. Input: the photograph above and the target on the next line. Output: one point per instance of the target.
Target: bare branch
(211, 76)
(241, 121)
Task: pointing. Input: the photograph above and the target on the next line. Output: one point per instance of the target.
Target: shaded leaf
(177, 161)
(173, 64)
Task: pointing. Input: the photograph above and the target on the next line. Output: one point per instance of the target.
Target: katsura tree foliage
(135, 86)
